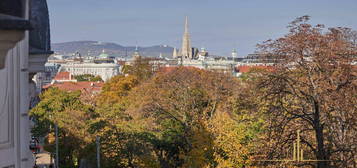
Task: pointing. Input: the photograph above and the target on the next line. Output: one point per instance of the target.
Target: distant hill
(94, 48)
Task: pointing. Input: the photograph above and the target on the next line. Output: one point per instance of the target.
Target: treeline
(187, 117)
(88, 77)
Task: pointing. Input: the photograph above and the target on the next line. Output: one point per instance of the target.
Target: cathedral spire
(186, 25)
(186, 50)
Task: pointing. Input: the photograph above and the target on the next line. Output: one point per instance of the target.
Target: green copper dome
(103, 55)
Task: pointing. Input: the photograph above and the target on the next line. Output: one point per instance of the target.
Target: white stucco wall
(14, 105)
(104, 70)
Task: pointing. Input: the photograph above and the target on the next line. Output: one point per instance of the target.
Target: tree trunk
(321, 154)
(163, 162)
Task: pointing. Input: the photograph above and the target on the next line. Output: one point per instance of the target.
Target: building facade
(104, 70)
(22, 55)
(221, 65)
(46, 77)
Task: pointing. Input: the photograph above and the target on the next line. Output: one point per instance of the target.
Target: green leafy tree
(88, 77)
(72, 117)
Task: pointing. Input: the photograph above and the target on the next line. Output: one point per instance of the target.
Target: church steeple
(186, 50)
(136, 53)
(186, 24)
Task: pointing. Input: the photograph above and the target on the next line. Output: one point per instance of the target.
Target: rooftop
(74, 86)
(248, 68)
(63, 76)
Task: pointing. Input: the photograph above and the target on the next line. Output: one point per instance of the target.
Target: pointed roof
(174, 54)
(186, 25)
(136, 53)
(186, 50)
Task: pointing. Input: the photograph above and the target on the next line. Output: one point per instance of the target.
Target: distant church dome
(103, 55)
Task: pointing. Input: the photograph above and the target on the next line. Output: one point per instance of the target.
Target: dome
(103, 55)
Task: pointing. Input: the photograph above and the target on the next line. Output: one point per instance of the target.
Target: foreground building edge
(16, 72)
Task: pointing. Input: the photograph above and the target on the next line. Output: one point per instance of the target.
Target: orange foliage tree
(314, 90)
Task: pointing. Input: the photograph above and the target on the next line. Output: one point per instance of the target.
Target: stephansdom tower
(186, 50)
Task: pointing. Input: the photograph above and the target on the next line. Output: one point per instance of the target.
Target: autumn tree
(116, 89)
(184, 109)
(65, 110)
(313, 89)
(179, 117)
(123, 142)
(140, 68)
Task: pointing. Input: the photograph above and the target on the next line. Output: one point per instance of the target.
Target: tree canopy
(312, 90)
(88, 77)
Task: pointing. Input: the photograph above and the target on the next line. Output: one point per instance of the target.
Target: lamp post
(98, 151)
(57, 156)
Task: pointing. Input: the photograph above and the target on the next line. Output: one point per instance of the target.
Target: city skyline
(219, 27)
(86, 101)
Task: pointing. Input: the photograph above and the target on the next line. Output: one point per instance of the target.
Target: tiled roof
(63, 76)
(169, 69)
(246, 68)
(166, 69)
(74, 86)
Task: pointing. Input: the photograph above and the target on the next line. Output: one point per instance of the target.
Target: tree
(116, 89)
(179, 107)
(231, 141)
(175, 118)
(88, 77)
(124, 143)
(313, 89)
(72, 118)
(141, 68)
(181, 117)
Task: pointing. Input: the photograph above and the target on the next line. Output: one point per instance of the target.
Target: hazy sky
(217, 25)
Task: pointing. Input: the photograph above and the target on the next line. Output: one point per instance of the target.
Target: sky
(217, 25)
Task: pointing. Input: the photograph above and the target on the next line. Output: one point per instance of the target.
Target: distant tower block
(186, 50)
(234, 53)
